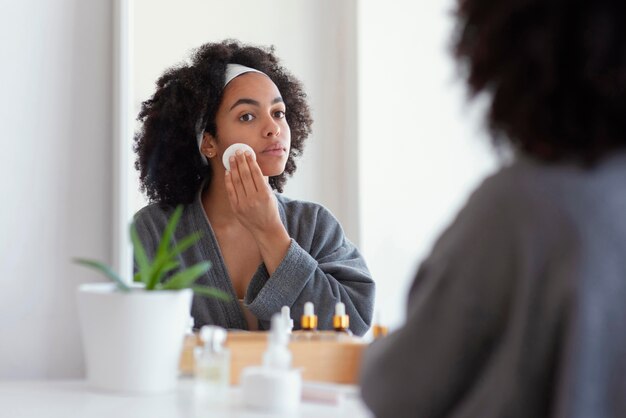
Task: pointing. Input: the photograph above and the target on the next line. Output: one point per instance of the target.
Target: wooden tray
(323, 356)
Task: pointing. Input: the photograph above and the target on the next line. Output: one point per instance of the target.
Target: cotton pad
(230, 152)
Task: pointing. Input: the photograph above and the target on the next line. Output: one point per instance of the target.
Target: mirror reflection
(220, 136)
(391, 153)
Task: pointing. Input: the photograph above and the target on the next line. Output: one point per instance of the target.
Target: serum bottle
(379, 330)
(285, 314)
(309, 319)
(212, 363)
(341, 321)
(275, 387)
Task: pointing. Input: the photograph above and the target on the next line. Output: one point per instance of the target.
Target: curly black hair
(555, 72)
(170, 165)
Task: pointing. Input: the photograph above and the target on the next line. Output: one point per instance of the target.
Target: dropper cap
(341, 321)
(285, 313)
(213, 337)
(309, 319)
(277, 355)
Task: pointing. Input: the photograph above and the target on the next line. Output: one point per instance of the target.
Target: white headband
(232, 71)
(235, 70)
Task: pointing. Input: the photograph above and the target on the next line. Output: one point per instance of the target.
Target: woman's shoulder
(310, 222)
(517, 181)
(548, 186)
(152, 209)
(156, 214)
(297, 209)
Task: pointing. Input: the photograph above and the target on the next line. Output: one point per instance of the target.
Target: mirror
(394, 150)
(163, 36)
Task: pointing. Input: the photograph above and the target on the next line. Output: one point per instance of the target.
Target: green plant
(153, 273)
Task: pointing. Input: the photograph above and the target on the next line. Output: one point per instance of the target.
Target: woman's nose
(271, 128)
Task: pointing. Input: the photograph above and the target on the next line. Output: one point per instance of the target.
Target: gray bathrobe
(321, 266)
(520, 310)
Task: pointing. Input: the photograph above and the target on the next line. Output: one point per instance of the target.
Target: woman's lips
(277, 152)
(274, 150)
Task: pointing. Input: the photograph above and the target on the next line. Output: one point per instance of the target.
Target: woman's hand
(255, 206)
(250, 196)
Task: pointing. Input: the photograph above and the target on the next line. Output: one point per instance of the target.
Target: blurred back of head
(555, 72)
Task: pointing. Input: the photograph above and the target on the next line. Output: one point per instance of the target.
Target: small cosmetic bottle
(379, 330)
(341, 321)
(275, 387)
(190, 326)
(309, 319)
(285, 314)
(212, 363)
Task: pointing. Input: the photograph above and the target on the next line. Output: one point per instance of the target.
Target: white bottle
(285, 313)
(212, 363)
(191, 322)
(275, 386)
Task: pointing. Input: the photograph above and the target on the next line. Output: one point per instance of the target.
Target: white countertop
(73, 398)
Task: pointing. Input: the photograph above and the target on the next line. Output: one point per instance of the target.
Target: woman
(519, 310)
(266, 250)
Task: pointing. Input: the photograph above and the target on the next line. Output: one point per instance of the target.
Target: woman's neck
(215, 202)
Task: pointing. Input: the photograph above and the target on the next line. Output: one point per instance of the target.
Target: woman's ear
(209, 145)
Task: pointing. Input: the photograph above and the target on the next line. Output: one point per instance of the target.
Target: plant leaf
(162, 261)
(162, 271)
(106, 270)
(140, 257)
(211, 292)
(168, 233)
(185, 243)
(183, 279)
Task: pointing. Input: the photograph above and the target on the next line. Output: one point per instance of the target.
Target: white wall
(314, 39)
(55, 168)
(421, 147)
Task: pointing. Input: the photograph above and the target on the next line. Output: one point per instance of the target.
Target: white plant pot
(133, 340)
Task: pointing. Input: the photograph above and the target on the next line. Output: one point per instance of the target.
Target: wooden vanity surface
(324, 356)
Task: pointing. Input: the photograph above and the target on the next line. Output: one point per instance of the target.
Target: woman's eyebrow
(253, 102)
(245, 101)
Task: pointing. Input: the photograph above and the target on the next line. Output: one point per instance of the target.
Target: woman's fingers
(244, 172)
(250, 196)
(230, 189)
(235, 177)
(257, 174)
(241, 181)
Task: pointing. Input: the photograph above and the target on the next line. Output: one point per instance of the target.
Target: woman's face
(252, 112)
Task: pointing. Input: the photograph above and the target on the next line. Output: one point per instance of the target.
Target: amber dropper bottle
(379, 330)
(309, 319)
(341, 321)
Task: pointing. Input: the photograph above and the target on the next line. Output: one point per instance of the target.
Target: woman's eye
(279, 114)
(246, 118)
